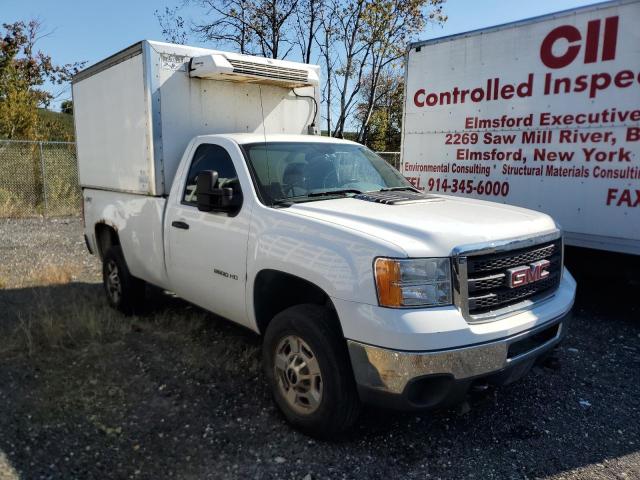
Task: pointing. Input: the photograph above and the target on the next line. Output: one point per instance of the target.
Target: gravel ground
(185, 398)
(28, 246)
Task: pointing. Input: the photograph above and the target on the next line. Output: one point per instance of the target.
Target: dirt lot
(177, 393)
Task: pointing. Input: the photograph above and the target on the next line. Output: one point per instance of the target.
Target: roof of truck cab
(245, 138)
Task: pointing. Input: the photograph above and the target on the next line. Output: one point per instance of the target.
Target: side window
(210, 157)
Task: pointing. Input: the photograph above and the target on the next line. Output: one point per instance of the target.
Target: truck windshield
(288, 172)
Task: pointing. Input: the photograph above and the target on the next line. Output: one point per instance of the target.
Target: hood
(432, 227)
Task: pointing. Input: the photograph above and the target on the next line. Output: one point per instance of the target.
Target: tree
(371, 37)
(18, 106)
(67, 107)
(172, 25)
(325, 40)
(349, 19)
(390, 26)
(229, 29)
(308, 18)
(23, 74)
(383, 130)
(251, 26)
(270, 24)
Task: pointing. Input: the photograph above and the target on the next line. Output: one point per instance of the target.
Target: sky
(89, 30)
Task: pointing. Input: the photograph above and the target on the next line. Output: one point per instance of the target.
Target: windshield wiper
(288, 201)
(328, 193)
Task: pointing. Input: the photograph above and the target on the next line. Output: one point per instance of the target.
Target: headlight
(420, 282)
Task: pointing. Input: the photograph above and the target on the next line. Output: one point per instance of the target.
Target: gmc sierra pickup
(364, 289)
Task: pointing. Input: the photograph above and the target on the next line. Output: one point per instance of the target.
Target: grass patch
(48, 310)
(48, 324)
(43, 273)
(51, 274)
(74, 317)
(12, 207)
(66, 315)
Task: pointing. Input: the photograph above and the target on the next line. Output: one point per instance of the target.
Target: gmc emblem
(526, 274)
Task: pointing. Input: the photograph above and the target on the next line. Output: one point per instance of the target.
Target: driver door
(206, 260)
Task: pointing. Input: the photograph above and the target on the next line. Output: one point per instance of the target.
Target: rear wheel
(307, 365)
(124, 291)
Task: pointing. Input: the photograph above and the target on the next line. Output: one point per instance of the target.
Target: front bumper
(418, 380)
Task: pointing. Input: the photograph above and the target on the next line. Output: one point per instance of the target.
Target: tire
(320, 408)
(124, 292)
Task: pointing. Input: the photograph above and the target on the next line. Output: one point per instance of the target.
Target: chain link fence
(391, 157)
(38, 178)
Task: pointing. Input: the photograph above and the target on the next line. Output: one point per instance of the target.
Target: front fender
(336, 259)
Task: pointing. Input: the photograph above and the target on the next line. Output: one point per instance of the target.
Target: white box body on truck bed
(150, 108)
(364, 288)
(541, 113)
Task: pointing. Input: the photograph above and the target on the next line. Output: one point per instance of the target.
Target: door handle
(181, 225)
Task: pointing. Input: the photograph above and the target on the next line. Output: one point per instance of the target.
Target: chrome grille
(485, 283)
(507, 260)
(503, 297)
(481, 279)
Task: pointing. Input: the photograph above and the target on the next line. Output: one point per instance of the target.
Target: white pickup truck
(364, 289)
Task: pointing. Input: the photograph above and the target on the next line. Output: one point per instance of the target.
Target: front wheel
(307, 365)
(124, 291)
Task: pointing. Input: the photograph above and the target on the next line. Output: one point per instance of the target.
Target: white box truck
(201, 175)
(541, 113)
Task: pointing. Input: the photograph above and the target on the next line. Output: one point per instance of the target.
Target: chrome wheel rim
(114, 286)
(298, 375)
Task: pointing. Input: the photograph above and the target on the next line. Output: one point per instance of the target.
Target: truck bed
(138, 219)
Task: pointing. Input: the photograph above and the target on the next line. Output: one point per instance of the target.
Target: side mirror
(206, 182)
(211, 198)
